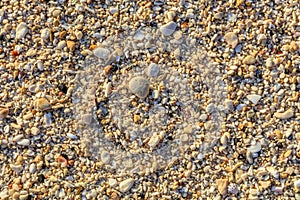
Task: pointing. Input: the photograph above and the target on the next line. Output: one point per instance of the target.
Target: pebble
(21, 30)
(231, 39)
(261, 38)
(254, 98)
(105, 157)
(126, 185)
(154, 141)
(101, 53)
(45, 34)
(42, 104)
(152, 70)
(249, 60)
(269, 63)
(71, 45)
(255, 148)
(32, 168)
(61, 45)
(168, 29)
(222, 185)
(23, 142)
(285, 115)
(35, 131)
(72, 136)
(139, 86)
(112, 182)
(16, 168)
(3, 112)
(297, 184)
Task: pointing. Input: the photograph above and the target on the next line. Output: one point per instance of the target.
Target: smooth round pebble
(139, 86)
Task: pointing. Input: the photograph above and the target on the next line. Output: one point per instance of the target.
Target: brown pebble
(71, 45)
(222, 185)
(3, 112)
(42, 104)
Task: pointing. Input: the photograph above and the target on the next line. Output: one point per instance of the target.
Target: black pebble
(63, 88)
(41, 178)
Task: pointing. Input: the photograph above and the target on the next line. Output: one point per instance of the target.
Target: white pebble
(32, 168)
(24, 142)
(71, 136)
(112, 182)
(297, 183)
(126, 185)
(61, 45)
(21, 31)
(154, 141)
(45, 34)
(254, 98)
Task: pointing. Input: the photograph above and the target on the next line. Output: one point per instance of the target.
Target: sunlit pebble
(14, 53)
(63, 162)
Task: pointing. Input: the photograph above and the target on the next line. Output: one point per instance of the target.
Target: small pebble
(285, 115)
(71, 45)
(45, 34)
(21, 30)
(231, 39)
(168, 29)
(61, 45)
(222, 185)
(139, 86)
(23, 142)
(126, 185)
(249, 60)
(72, 136)
(152, 70)
(105, 157)
(3, 112)
(101, 53)
(254, 98)
(42, 104)
(154, 141)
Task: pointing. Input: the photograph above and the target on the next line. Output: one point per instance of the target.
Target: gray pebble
(139, 86)
(152, 70)
(102, 53)
(168, 29)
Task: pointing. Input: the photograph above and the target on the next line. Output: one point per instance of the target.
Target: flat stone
(139, 86)
(231, 39)
(168, 29)
(285, 115)
(42, 104)
(21, 30)
(254, 98)
(249, 60)
(126, 185)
